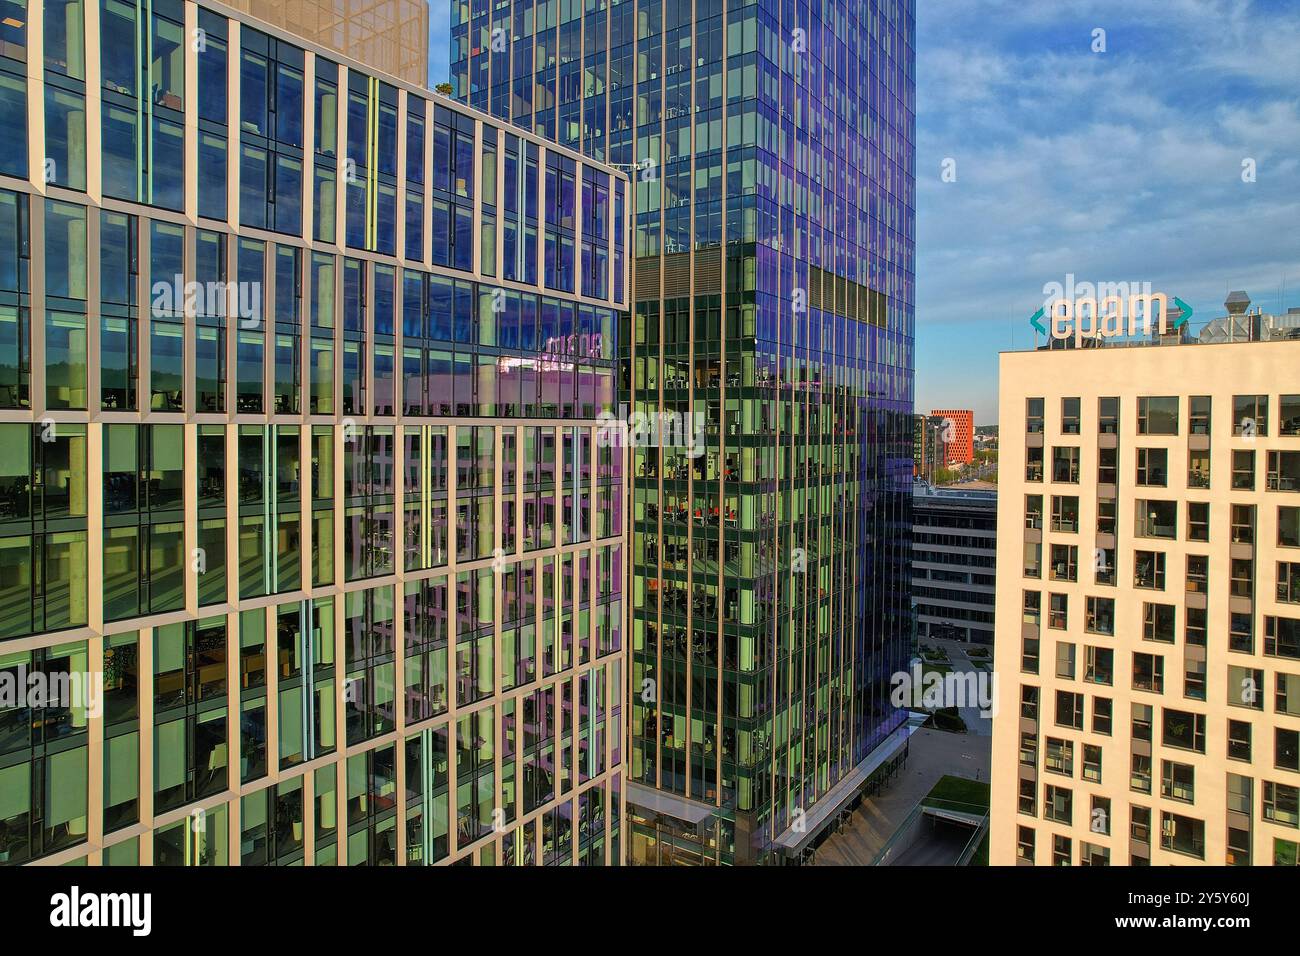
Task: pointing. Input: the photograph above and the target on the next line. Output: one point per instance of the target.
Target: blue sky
(439, 40)
(1124, 165)
(1117, 166)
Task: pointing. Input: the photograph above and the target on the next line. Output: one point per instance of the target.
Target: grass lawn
(960, 794)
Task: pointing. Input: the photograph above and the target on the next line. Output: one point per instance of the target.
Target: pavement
(932, 754)
(976, 724)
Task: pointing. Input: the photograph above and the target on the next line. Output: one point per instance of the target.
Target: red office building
(958, 438)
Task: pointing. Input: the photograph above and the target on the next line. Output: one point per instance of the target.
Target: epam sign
(1106, 311)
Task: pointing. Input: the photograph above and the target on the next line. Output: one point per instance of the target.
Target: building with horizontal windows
(1148, 605)
(927, 447)
(299, 383)
(772, 154)
(954, 554)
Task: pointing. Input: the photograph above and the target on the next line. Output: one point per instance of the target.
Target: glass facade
(771, 149)
(299, 392)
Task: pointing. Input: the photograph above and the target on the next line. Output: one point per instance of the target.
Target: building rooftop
(953, 494)
(1240, 325)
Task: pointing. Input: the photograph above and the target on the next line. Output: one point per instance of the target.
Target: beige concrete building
(1148, 606)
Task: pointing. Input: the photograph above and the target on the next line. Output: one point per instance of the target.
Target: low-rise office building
(954, 553)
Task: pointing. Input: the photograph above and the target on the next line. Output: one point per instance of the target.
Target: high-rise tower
(771, 148)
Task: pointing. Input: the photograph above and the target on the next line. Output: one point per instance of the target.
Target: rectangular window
(1058, 611)
(1107, 466)
(1288, 582)
(1149, 570)
(1155, 519)
(1288, 409)
(65, 138)
(1065, 660)
(1108, 416)
(1238, 740)
(1092, 773)
(1069, 416)
(1158, 622)
(1243, 524)
(1034, 416)
(1250, 415)
(1158, 415)
(1199, 408)
(1101, 715)
(1065, 465)
(1065, 562)
(1183, 730)
(1065, 513)
(1100, 616)
(1282, 637)
(1177, 781)
(1245, 687)
(1149, 673)
(1069, 710)
(1282, 804)
(1099, 665)
(13, 126)
(1034, 464)
(1153, 467)
(1284, 471)
(1288, 526)
(1198, 469)
(1243, 470)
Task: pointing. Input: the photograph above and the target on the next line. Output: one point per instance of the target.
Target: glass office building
(771, 148)
(304, 527)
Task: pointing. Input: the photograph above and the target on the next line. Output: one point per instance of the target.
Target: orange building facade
(959, 439)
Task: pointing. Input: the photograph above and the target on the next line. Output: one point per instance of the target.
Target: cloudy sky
(1117, 166)
(1122, 165)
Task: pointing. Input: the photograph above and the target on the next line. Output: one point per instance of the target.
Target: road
(941, 845)
(931, 755)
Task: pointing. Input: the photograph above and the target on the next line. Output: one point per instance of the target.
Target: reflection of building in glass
(300, 373)
(927, 447)
(774, 299)
(388, 36)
